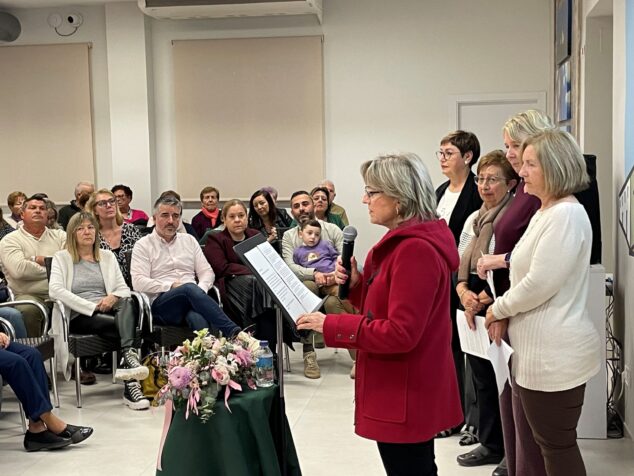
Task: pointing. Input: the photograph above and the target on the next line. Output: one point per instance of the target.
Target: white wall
(390, 68)
(596, 137)
(624, 266)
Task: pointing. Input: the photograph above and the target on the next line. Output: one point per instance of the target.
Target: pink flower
(221, 375)
(179, 377)
(244, 357)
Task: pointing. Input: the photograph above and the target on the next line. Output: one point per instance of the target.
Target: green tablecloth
(244, 442)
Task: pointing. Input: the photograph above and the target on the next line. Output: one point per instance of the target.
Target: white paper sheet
(490, 283)
(474, 342)
(499, 357)
(292, 294)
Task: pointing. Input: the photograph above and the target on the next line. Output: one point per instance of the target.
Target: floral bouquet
(197, 370)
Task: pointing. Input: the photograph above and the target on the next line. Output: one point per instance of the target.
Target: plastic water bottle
(264, 373)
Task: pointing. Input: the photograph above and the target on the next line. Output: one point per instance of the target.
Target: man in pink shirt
(165, 265)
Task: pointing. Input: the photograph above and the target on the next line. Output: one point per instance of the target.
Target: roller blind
(248, 113)
(46, 140)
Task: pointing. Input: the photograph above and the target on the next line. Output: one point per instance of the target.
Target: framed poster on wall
(563, 30)
(564, 93)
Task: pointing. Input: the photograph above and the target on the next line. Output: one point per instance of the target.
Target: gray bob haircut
(526, 124)
(562, 162)
(403, 176)
(169, 200)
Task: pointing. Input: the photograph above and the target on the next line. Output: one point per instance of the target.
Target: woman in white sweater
(556, 344)
(90, 286)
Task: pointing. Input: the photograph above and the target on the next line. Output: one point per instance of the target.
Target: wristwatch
(507, 260)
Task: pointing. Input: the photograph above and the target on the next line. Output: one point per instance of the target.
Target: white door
(485, 114)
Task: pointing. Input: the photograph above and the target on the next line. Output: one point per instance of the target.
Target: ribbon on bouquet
(169, 410)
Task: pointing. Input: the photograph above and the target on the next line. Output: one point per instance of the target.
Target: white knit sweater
(556, 345)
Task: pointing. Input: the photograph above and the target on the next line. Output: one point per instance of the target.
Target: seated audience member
(170, 267)
(303, 211)
(5, 228)
(15, 201)
(233, 277)
(83, 190)
(123, 195)
(321, 200)
(334, 208)
(496, 178)
(210, 216)
(182, 226)
(22, 367)
(88, 282)
(114, 234)
(15, 319)
(316, 253)
(265, 217)
(273, 192)
(22, 255)
(51, 216)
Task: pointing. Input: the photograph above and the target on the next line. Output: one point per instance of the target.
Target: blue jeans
(15, 318)
(176, 305)
(21, 366)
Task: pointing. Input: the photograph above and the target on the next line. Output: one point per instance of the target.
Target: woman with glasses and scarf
(496, 179)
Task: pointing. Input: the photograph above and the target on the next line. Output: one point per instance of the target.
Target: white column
(128, 96)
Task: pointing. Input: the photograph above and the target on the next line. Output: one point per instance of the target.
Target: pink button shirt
(157, 264)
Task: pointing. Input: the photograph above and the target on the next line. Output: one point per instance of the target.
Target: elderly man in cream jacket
(22, 255)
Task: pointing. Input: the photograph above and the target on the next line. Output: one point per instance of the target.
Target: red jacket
(406, 387)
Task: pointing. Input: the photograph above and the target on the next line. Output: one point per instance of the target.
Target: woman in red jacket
(406, 388)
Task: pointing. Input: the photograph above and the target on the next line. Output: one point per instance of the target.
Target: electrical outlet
(627, 376)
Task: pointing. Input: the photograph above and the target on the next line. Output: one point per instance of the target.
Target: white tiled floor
(319, 411)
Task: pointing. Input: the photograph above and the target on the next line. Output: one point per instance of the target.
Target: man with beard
(302, 210)
(166, 265)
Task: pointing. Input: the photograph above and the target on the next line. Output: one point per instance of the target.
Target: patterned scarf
(483, 226)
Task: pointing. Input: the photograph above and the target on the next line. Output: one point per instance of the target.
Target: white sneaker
(131, 367)
(133, 396)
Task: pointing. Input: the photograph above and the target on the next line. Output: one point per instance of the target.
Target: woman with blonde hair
(114, 234)
(521, 459)
(88, 282)
(556, 345)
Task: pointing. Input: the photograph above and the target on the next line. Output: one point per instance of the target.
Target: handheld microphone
(349, 235)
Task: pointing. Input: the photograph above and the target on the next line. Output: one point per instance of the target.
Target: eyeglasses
(490, 180)
(371, 193)
(446, 154)
(104, 203)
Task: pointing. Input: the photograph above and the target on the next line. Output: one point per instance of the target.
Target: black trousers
(408, 459)
(489, 421)
(118, 325)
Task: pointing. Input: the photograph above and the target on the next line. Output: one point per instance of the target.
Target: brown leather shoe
(85, 377)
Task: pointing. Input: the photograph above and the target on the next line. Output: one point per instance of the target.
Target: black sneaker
(133, 396)
(131, 367)
(44, 440)
(77, 434)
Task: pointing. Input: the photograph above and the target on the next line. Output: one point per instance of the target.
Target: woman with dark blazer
(458, 198)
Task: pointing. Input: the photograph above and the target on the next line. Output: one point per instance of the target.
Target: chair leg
(22, 417)
(287, 360)
(78, 380)
(53, 364)
(114, 366)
